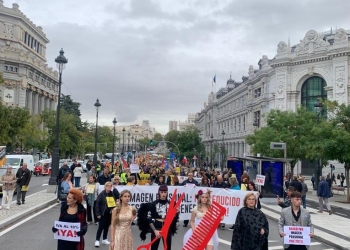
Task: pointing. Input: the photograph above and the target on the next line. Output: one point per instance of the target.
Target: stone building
(28, 81)
(317, 67)
(173, 125)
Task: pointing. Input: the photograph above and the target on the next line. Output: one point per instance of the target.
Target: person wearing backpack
(61, 172)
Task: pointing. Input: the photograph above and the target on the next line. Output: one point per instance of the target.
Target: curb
(26, 213)
(332, 205)
(323, 240)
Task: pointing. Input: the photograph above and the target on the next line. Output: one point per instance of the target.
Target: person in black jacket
(72, 167)
(190, 181)
(219, 183)
(295, 183)
(23, 178)
(102, 179)
(105, 203)
(61, 172)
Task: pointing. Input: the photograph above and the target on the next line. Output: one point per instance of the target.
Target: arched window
(313, 89)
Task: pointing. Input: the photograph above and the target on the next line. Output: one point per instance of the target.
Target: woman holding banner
(73, 212)
(198, 212)
(105, 202)
(251, 229)
(122, 217)
(91, 190)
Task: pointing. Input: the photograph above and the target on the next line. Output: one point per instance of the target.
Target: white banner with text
(232, 200)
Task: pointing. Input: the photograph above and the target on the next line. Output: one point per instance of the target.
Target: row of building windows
(229, 108)
(11, 68)
(31, 42)
(237, 124)
(43, 81)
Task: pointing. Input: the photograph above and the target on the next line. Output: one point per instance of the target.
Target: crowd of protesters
(112, 212)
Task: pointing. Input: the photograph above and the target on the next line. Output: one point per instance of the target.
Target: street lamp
(132, 143)
(114, 123)
(223, 149)
(123, 140)
(97, 106)
(61, 62)
(318, 108)
(128, 146)
(211, 150)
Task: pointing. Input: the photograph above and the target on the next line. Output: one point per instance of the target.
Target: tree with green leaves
(157, 138)
(12, 120)
(31, 136)
(69, 137)
(70, 106)
(190, 144)
(333, 137)
(172, 136)
(293, 128)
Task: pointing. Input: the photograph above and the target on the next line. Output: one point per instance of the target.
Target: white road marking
(341, 214)
(222, 241)
(45, 184)
(275, 247)
(27, 219)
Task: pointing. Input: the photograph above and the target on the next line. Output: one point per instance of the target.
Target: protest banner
(297, 235)
(232, 200)
(134, 168)
(260, 180)
(67, 231)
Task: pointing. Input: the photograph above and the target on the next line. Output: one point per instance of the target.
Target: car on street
(42, 167)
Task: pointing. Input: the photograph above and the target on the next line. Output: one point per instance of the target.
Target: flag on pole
(213, 81)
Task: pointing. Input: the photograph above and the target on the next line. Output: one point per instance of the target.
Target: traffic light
(151, 142)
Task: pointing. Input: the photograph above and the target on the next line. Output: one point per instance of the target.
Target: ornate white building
(28, 81)
(315, 68)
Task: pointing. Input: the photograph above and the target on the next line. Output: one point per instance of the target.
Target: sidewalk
(34, 203)
(338, 200)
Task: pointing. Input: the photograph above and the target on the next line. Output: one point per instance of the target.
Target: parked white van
(16, 161)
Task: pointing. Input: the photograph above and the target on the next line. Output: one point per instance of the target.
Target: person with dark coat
(103, 178)
(329, 180)
(23, 176)
(72, 167)
(219, 183)
(251, 229)
(295, 183)
(323, 193)
(151, 218)
(105, 203)
(190, 181)
(287, 202)
(73, 212)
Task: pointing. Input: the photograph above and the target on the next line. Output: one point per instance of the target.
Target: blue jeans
(303, 199)
(77, 181)
(58, 189)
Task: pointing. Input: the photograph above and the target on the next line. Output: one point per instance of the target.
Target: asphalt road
(36, 184)
(36, 234)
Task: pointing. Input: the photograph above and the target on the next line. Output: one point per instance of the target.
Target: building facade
(172, 125)
(131, 134)
(317, 67)
(28, 81)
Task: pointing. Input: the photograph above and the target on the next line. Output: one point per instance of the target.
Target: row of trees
(188, 142)
(329, 139)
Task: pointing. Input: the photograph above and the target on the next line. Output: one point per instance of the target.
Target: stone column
(35, 103)
(30, 101)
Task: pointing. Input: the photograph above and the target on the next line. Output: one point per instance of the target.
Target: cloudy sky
(155, 59)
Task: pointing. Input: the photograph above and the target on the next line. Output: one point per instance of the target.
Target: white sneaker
(8, 208)
(97, 243)
(105, 242)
